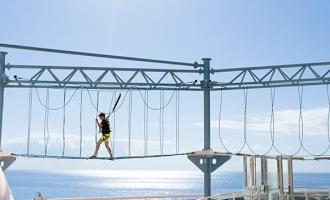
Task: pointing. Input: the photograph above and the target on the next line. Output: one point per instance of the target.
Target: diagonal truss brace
(271, 76)
(106, 78)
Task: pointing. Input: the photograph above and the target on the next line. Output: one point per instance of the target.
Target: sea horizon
(118, 183)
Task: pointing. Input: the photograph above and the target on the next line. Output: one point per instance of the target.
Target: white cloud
(286, 122)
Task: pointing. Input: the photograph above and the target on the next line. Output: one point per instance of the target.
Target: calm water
(25, 184)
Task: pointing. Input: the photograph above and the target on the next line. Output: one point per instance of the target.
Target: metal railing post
(207, 125)
(2, 86)
(280, 174)
(290, 175)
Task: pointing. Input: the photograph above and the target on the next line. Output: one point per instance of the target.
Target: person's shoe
(111, 158)
(92, 157)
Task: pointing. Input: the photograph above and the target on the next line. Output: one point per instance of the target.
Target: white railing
(222, 196)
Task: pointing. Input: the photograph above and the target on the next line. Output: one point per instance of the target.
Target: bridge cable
(245, 92)
(161, 107)
(46, 123)
(177, 121)
(302, 142)
(162, 122)
(299, 129)
(63, 122)
(145, 130)
(113, 98)
(29, 120)
(114, 127)
(80, 122)
(130, 105)
(110, 112)
(56, 108)
(97, 108)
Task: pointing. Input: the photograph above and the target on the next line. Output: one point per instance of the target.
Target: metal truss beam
(104, 78)
(271, 76)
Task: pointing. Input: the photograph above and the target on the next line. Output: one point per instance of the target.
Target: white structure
(5, 160)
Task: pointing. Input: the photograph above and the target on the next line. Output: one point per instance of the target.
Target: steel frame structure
(201, 78)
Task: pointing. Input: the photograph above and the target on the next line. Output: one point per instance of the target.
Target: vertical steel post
(207, 126)
(2, 86)
(253, 170)
(245, 169)
(264, 171)
(290, 175)
(280, 181)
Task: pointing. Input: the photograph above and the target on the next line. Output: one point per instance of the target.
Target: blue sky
(232, 33)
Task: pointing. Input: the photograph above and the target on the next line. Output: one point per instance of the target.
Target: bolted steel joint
(206, 84)
(4, 79)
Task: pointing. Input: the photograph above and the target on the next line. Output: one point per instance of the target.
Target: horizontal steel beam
(271, 76)
(79, 53)
(103, 87)
(101, 68)
(270, 67)
(104, 77)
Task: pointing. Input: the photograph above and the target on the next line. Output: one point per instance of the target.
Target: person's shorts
(105, 137)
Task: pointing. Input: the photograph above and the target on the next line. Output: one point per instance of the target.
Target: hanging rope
(130, 104)
(146, 123)
(114, 128)
(29, 121)
(219, 124)
(110, 112)
(57, 108)
(245, 128)
(63, 125)
(177, 121)
(245, 143)
(46, 123)
(113, 98)
(97, 108)
(161, 122)
(161, 107)
(302, 128)
(80, 122)
(299, 129)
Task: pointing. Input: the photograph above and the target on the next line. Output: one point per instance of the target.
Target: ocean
(55, 184)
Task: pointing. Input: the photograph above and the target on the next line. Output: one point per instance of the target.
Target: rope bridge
(99, 158)
(172, 80)
(113, 108)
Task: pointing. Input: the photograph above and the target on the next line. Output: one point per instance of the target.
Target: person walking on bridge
(104, 128)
